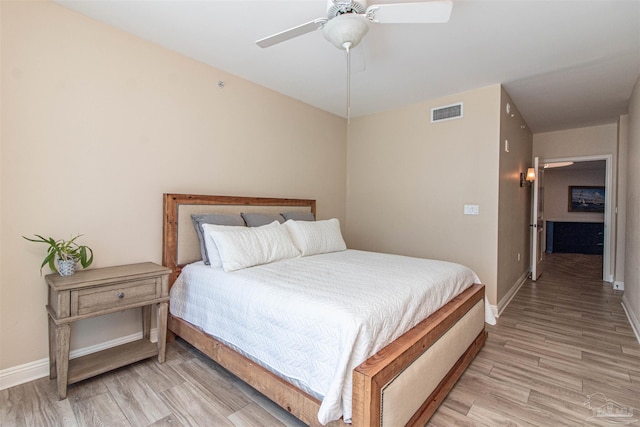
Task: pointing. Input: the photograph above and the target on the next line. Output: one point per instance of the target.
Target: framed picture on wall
(586, 199)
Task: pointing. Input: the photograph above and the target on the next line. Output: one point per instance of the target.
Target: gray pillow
(214, 218)
(258, 219)
(298, 216)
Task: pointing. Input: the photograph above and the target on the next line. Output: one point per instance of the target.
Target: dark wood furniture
(575, 237)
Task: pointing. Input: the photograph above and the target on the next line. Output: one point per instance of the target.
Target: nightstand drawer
(124, 294)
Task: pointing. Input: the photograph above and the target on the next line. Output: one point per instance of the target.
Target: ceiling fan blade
(316, 24)
(428, 12)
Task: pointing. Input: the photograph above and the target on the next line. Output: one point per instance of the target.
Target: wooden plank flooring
(561, 349)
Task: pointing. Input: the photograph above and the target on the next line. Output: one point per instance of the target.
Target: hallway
(560, 350)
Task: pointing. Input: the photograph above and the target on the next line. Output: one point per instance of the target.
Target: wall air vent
(448, 112)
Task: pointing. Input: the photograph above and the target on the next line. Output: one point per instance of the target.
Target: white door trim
(537, 220)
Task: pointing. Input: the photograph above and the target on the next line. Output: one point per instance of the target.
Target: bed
(400, 383)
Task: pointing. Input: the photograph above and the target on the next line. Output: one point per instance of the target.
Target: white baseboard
(494, 310)
(618, 285)
(633, 319)
(40, 368)
(504, 302)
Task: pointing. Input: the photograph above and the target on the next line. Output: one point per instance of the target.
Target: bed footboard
(405, 382)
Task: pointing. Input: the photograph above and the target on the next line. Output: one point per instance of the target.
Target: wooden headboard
(179, 240)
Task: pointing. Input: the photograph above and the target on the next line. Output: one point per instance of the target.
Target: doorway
(585, 171)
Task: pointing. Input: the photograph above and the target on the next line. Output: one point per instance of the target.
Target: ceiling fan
(348, 21)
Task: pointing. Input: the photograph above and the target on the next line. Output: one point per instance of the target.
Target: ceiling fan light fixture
(346, 30)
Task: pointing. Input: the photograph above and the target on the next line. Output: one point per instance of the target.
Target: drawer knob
(121, 295)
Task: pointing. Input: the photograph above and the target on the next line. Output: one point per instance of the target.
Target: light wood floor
(561, 340)
(562, 348)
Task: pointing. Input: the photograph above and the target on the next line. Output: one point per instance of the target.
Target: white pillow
(249, 246)
(317, 237)
(212, 249)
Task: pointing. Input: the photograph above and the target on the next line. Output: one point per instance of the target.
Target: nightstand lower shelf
(103, 361)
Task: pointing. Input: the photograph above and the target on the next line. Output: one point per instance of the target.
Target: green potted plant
(67, 253)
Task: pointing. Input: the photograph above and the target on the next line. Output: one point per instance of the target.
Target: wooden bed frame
(403, 384)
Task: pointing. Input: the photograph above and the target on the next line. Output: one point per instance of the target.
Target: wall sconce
(526, 180)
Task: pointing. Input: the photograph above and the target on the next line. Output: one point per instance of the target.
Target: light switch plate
(472, 209)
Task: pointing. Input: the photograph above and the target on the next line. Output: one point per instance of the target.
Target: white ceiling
(566, 63)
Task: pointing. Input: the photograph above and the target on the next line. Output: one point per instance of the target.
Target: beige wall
(631, 299)
(408, 180)
(514, 211)
(97, 124)
(588, 141)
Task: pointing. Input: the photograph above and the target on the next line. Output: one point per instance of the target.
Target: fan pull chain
(347, 47)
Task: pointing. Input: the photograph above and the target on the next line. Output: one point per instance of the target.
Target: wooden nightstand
(95, 292)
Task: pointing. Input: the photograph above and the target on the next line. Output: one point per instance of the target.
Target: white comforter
(312, 320)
